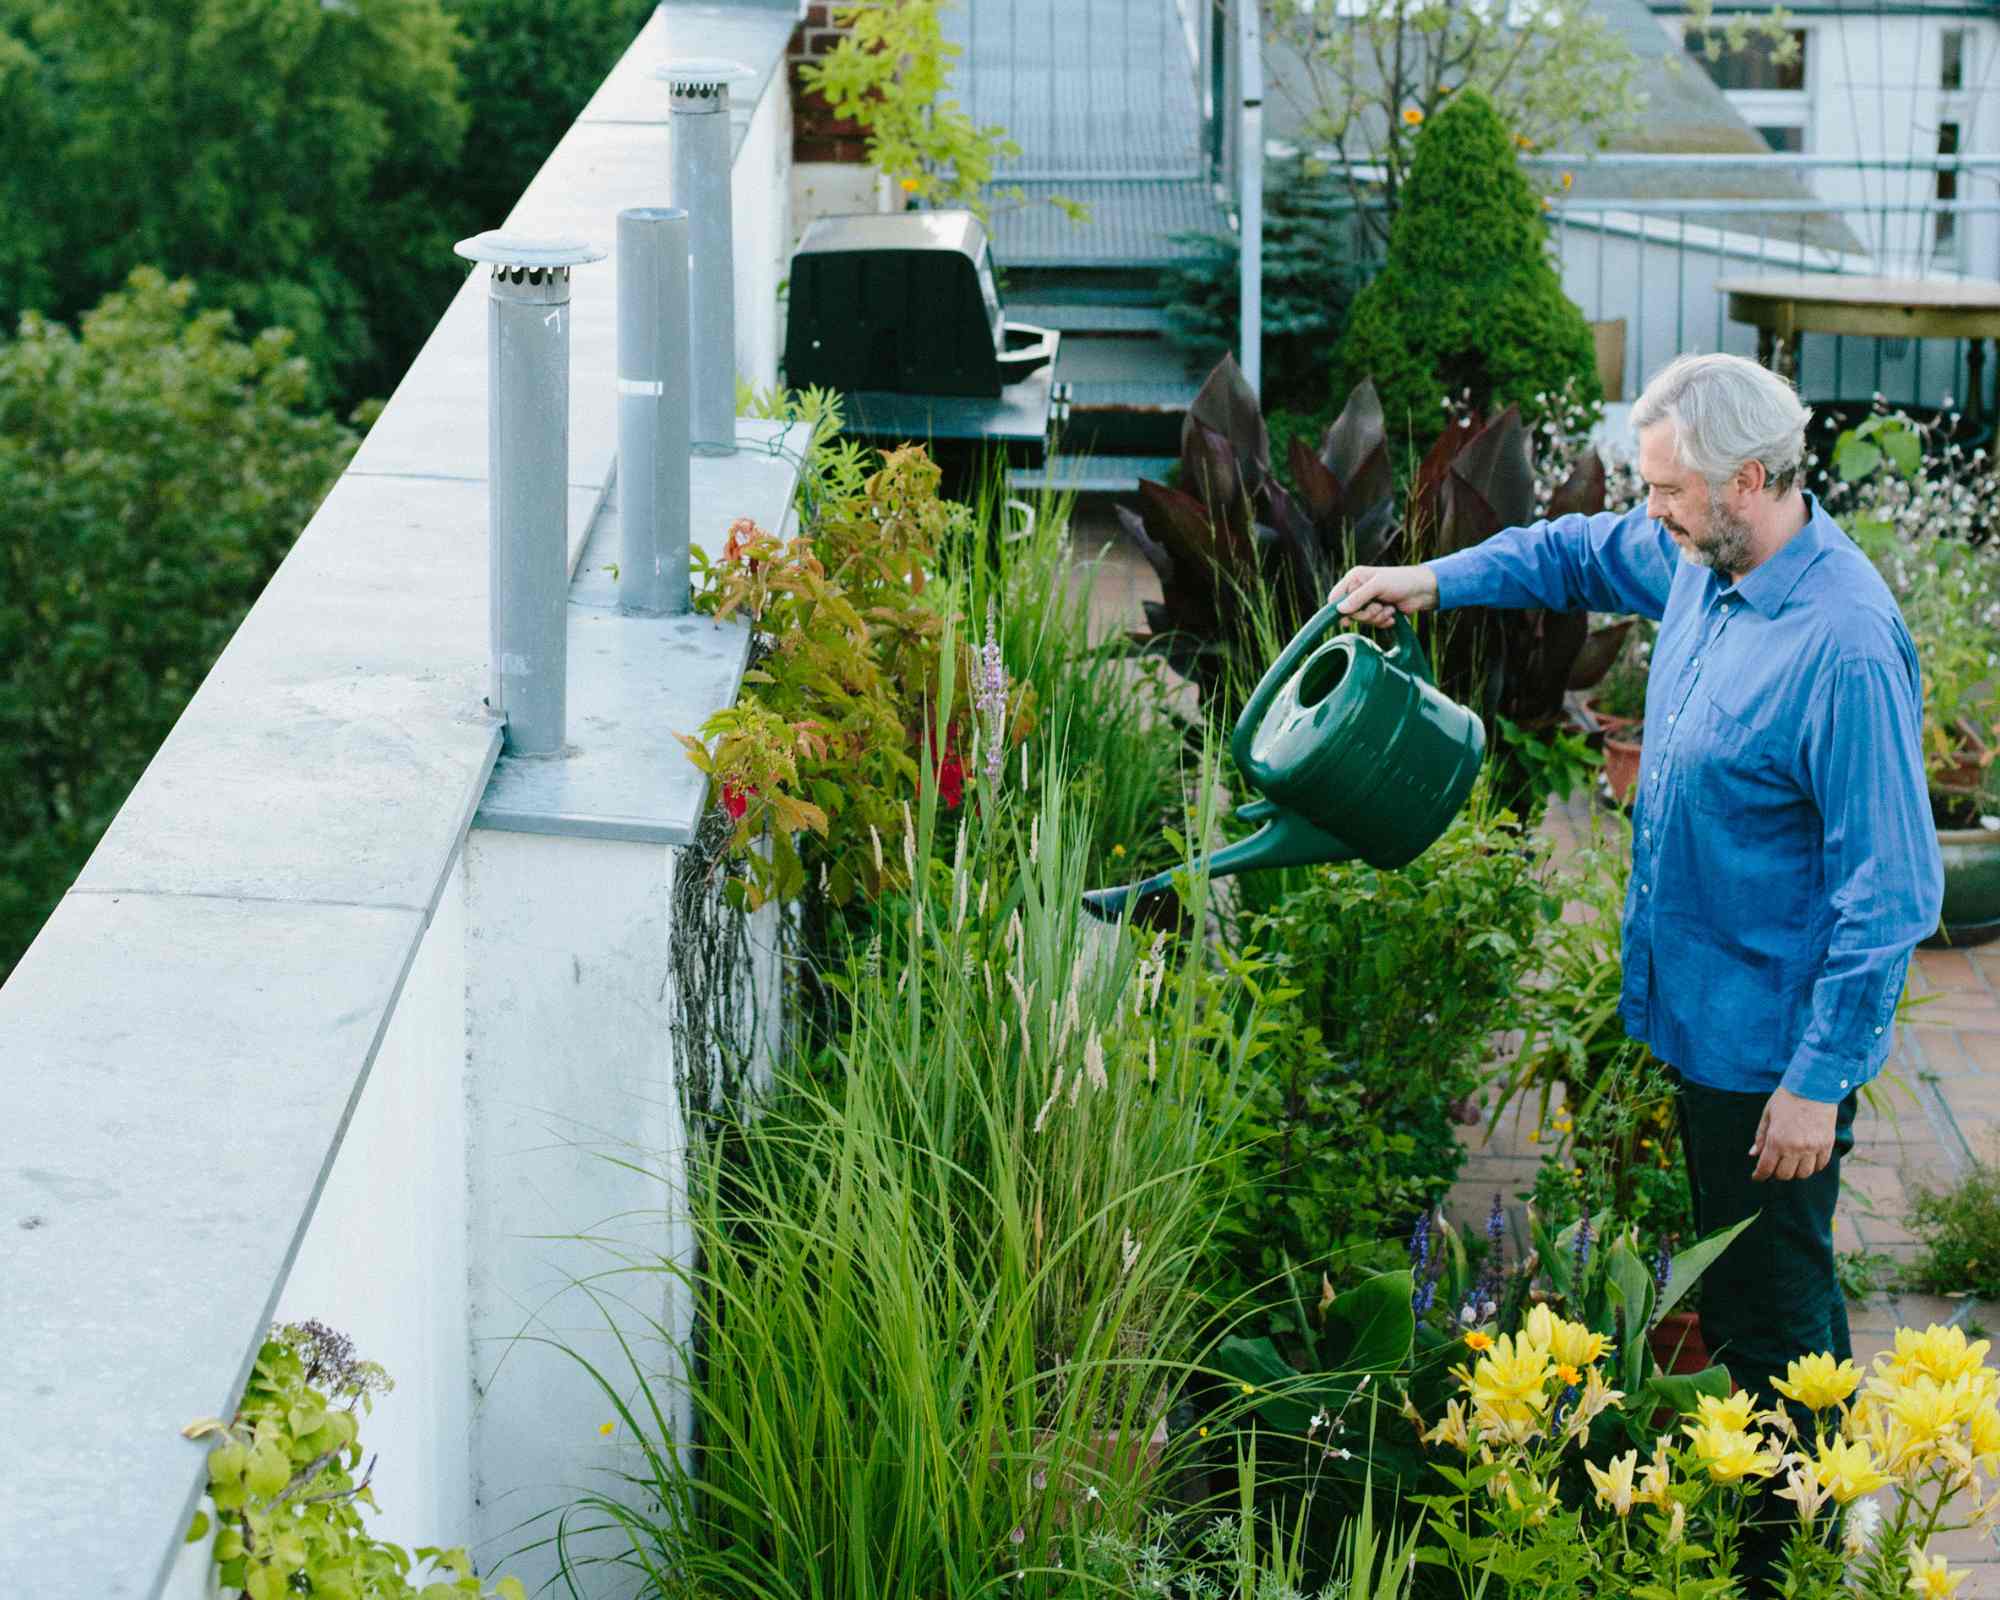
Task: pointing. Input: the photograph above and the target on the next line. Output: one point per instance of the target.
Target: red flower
(736, 801)
(951, 780)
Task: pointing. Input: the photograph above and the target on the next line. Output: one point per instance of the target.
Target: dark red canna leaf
(1582, 491)
(1356, 447)
(1227, 405)
(1595, 657)
(1495, 462)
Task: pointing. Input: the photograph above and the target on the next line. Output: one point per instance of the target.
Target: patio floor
(1943, 1099)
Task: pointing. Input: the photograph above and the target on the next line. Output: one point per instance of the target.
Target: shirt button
(1695, 665)
(1878, 1030)
(1673, 716)
(1647, 888)
(1843, 1082)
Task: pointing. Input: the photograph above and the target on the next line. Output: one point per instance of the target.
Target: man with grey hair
(1784, 859)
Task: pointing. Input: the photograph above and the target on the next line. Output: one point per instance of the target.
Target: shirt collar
(1766, 588)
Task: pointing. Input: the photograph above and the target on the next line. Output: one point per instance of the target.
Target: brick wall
(817, 134)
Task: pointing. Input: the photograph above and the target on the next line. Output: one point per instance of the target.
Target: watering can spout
(1285, 840)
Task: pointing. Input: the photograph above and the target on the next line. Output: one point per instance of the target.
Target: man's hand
(1794, 1138)
(1375, 594)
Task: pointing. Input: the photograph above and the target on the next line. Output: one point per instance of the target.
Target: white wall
(575, 1146)
(384, 1260)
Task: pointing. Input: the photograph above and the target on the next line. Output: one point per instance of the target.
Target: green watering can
(1357, 755)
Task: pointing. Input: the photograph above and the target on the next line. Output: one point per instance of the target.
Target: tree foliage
(288, 155)
(1378, 70)
(1468, 303)
(154, 469)
(527, 68)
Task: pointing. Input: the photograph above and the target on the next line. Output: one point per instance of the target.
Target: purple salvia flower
(1496, 1222)
(1582, 1250)
(1663, 1268)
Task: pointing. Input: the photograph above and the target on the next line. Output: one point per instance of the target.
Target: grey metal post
(703, 158)
(653, 438)
(527, 480)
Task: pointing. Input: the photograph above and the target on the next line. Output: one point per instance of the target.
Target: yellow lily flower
(1614, 1483)
(1818, 1381)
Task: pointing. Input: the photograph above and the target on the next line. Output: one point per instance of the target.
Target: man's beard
(1726, 545)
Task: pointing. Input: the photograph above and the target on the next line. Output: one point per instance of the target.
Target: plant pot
(1971, 888)
(1621, 763)
(1609, 723)
(1677, 1344)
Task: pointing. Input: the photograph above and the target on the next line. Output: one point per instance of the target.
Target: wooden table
(1783, 308)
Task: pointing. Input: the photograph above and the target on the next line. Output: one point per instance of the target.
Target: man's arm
(1863, 759)
(1609, 562)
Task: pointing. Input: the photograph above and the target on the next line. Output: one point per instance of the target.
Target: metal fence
(1653, 263)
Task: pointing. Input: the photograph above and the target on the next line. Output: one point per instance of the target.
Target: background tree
(288, 154)
(153, 472)
(1376, 70)
(527, 68)
(1468, 305)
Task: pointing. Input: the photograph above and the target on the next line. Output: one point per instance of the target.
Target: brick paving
(1937, 1106)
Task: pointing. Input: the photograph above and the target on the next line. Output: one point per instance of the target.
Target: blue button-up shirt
(1784, 859)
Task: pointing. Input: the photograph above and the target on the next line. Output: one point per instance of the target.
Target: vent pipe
(704, 155)
(527, 480)
(653, 436)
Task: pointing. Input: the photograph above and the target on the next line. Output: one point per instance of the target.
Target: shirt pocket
(1731, 769)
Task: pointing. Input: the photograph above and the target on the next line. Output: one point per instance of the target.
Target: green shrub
(1397, 981)
(287, 1484)
(153, 472)
(1469, 300)
(1959, 1228)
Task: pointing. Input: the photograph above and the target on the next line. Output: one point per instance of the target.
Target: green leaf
(270, 1469)
(1696, 1259)
(1903, 449)
(1371, 1327)
(1854, 457)
(1681, 1392)
(198, 1529)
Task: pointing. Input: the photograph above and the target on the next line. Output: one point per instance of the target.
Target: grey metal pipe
(703, 157)
(527, 434)
(653, 436)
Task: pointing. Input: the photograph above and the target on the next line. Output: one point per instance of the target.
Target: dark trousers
(1773, 1294)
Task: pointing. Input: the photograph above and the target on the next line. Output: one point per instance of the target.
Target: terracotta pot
(1971, 887)
(1677, 1344)
(1621, 765)
(1608, 722)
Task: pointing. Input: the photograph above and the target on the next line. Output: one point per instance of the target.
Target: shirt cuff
(1816, 1074)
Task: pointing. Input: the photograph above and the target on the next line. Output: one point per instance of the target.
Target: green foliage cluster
(825, 750)
(307, 163)
(154, 469)
(286, 1482)
(1959, 1229)
(1397, 980)
(1308, 279)
(1468, 304)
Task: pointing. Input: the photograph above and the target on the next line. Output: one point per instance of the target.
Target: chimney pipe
(527, 437)
(653, 437)
(704, 154)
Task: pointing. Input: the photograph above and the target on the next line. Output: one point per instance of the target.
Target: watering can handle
(1406, 653)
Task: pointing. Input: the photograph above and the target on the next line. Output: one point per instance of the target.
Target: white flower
(1864, 1522)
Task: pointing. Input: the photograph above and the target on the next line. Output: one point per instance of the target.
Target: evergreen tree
(1469, 300)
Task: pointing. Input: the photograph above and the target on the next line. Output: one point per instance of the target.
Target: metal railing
(1653, 262)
